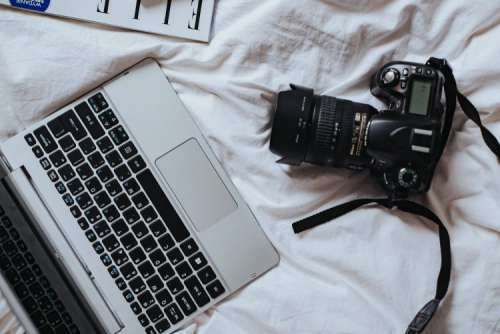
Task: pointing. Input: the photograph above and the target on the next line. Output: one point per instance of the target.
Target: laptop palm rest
(196, 184)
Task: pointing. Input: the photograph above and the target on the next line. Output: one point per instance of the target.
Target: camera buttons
(407, 177)
(390, 77)
(405, 72)
(428, 72)
(419, 70)
(403, 84)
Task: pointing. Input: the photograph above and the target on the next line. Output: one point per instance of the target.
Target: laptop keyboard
(123, 212)
(30, 284)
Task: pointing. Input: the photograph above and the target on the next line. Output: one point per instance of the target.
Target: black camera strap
(426, 313)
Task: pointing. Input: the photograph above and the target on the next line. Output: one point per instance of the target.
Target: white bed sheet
(367, 272)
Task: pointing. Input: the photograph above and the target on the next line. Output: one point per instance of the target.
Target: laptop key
(118, 135)
(89, 120)
(87, 146)
(137, 255)
(119, 256)
(110, 242)
(198, 261)
(57, 158)
(189, 247)
(197, 291)
(45, 163)
(128, 295)
(57, 128)
(158, 228)
(175, 286)
(102, 229)
(154, 313)
(184, 270)
(98, 247)
(82, 222)
(131, 186)
(155, 283)
(146, 299)
(140, 229)
(120, 227)
(68, 199)
(92, 237)
(174, 314)
(148, 243)
(96, 160)
(76, 157)
(186, 303)
(67, 143)
(149, 214)
(98, 102)
(45, 139)
(131, 215)
(150, 330)
(166, 242)
(102, 199)
(84, 201)
(137, 285)
(113, 188)
(93, 215)
(175, 256)
(93, 185)
(206, 275)
(163, 205)
(122, 172)
(128, 241)
(75, 187)
(122, 202)
(140, 200)
(30, 140)
(143, 320)
(38, 319)
(128, 271)
(72, 124)
(75, 211)
(54, 319)
(54, 177)
(137, 164)
(84, 171)
(113, 271)
(215, 289)
(163, 297)
(136, 308)
(105, 174)
(108, 119)
(157, 257)
(37, 151)
(111, 213)
(105, 144)
(66, 172)
(128, 150)
(121, 284)
(114, 159)
(146, 269)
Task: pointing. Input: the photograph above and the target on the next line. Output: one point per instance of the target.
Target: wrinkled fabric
(369, 271)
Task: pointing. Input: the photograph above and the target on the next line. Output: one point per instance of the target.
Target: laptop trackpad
(196, 184)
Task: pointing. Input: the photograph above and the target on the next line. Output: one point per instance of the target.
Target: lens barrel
(321, 130)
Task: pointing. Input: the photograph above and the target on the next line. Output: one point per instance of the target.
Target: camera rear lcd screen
(420, 95)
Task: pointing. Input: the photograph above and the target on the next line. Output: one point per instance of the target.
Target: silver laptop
(116, 217)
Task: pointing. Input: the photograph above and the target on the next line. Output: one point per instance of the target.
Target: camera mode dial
(407, 178)
(390, 77)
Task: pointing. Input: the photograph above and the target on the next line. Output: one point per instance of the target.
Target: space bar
(163, 205)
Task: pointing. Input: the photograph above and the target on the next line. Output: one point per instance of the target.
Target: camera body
(400, 144)
(404, 139)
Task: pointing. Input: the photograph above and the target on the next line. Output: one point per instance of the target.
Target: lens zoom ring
(325, 127)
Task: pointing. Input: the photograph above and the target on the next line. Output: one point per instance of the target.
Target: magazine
(190, 19)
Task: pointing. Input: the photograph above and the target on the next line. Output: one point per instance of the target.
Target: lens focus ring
(324, 144)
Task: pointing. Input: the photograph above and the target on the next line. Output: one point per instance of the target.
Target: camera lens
(321, 130)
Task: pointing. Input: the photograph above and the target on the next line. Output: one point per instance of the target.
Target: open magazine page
(190, 19)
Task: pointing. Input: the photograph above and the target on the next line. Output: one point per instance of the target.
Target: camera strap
(423, 317)
(425, 314)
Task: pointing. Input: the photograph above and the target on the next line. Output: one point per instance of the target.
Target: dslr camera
(400, 145)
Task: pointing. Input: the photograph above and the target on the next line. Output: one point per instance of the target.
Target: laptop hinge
(4, 167)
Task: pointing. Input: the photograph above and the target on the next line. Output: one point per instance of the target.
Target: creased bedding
(367, 272)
